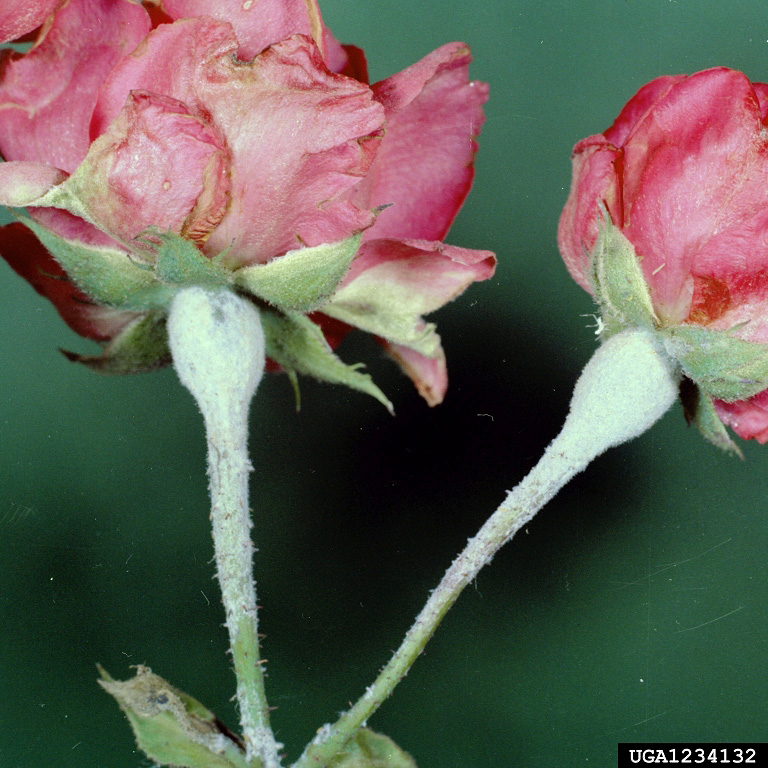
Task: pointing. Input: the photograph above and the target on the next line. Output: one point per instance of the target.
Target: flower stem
(625, 388)
(217, 345)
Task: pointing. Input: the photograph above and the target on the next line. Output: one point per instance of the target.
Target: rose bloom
(247, 129)
(683, 172)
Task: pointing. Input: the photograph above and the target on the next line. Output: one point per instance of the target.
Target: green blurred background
(634, 608)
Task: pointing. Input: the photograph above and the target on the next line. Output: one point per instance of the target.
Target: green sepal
(301, 280)
(170, 726)
(298, 345)
(140, 347)
(294, 379)
(700, 411)
(618, 281)
(109, 276)
(179, 262)
(386, 308)
(722, 365)
(367, 749)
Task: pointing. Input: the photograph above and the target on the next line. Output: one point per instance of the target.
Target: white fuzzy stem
(624, 389)
(217, 345)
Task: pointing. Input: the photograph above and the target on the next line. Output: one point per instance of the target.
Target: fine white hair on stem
(217, 344)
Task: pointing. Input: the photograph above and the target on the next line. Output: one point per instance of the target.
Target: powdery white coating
(322, 733)
(626, 387)
(217, 344)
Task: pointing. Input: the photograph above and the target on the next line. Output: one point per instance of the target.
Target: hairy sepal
(140, 347)
(299, 346)
(617, 280)
(301, 280)
(722, 365)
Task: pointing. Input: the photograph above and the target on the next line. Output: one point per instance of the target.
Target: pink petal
(337, 56)
(64, 224)
(429, 374)
(739, 305)
(747, 418)
(425, 165)
(638, 106)
(27, 257)
(156, 165)
(355, 65)
(595, 180)
(434, 271)
(257, 23)
(761, 91)
(335, 331)
(432, 274)
(22, 182)
(694, 188)
(47, 94)
(17, 17)
(298, 136)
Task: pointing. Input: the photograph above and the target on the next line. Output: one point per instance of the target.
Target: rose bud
(666, 225)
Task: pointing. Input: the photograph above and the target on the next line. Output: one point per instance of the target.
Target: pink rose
(253, 136)
(683, 174)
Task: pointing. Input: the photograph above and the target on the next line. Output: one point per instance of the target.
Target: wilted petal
(747, 418)
(735, 303)
(393, 283)
(433, 273)
(429, 374)
(257, 23)
(354, 64)
(157, 165)
(425, 164)
(637, 107)
(22, 182)
(47, 95)
(66, 225)
(27, 257)
(595, 182)
(298, 136)
(761, 91)
(694, 186)
(17, 17)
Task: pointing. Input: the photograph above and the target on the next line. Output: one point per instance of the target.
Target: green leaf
(297, 344)
(722, 365)
(140, 347)
(618, 280)
(367, 749)
(107, 275)
(301, 280)
(380, 304)
(170, 726)
(700, 411)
